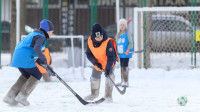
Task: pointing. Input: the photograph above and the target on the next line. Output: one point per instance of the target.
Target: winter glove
(98, 65)
(49, 72)
(44, 65)
(40, 62)
(107, 72)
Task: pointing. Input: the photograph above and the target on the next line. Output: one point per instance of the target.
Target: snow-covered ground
(151, 90)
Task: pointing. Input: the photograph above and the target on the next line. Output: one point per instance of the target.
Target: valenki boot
(125, 76)
(46, 77)
(26, 90)
(122, 77)
(12, 93)
(109, 89)
(95, 85)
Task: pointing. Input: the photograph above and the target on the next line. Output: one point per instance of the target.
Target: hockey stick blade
(122, 92)
(89, 103)
(75, 94)
(145, 47)
(96, 102)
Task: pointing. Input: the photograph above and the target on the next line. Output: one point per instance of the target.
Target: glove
(44, 65)
(98, 65)
(107, 72)
(49, 72)
(40, 62)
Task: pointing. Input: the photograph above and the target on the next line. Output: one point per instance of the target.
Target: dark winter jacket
(111, 55)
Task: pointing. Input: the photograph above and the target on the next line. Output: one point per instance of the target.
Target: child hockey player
(124, 46)
(101, 54)
(26, 52)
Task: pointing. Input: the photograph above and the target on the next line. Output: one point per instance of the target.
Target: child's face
(50, 33)
(122, 27)
(100, 38)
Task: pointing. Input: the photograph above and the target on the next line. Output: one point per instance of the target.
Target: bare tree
(22, 17)
(13, 28)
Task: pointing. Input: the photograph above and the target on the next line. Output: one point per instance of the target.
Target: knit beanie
(46, 25)
(97, 30)
(123, 21)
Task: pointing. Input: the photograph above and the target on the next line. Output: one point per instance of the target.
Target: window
(54, 2)
(33, 2)
(83, 2)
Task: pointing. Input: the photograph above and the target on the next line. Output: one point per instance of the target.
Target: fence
(172, 33)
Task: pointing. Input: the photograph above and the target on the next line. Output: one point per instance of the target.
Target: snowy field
(151, 90)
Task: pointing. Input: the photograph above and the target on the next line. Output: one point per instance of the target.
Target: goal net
(67, 51)
(172, 32)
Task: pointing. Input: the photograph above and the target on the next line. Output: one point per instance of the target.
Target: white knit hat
(123, 21)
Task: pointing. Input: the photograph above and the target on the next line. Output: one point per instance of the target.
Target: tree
(13, 28)
(22, 17)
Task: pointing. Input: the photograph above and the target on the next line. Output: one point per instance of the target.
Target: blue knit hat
(97, 30)
(46, 25)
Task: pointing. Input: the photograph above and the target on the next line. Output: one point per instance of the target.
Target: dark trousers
(27, 72)
(124, 62)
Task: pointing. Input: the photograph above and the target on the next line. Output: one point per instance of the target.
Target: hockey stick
(75, 94)
(140, 51)
(145, 47)
(120, 91)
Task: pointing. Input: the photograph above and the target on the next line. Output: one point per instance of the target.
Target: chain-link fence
(172, 34)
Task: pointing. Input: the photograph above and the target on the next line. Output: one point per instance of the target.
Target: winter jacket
(101, 52)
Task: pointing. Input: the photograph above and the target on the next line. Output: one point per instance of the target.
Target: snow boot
(125, 76)
(122, 77)
(26, 90)
(46, 77)
(12, 93)
(95, 85)
(109, 89)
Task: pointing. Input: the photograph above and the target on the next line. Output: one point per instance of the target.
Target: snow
(151, 90)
